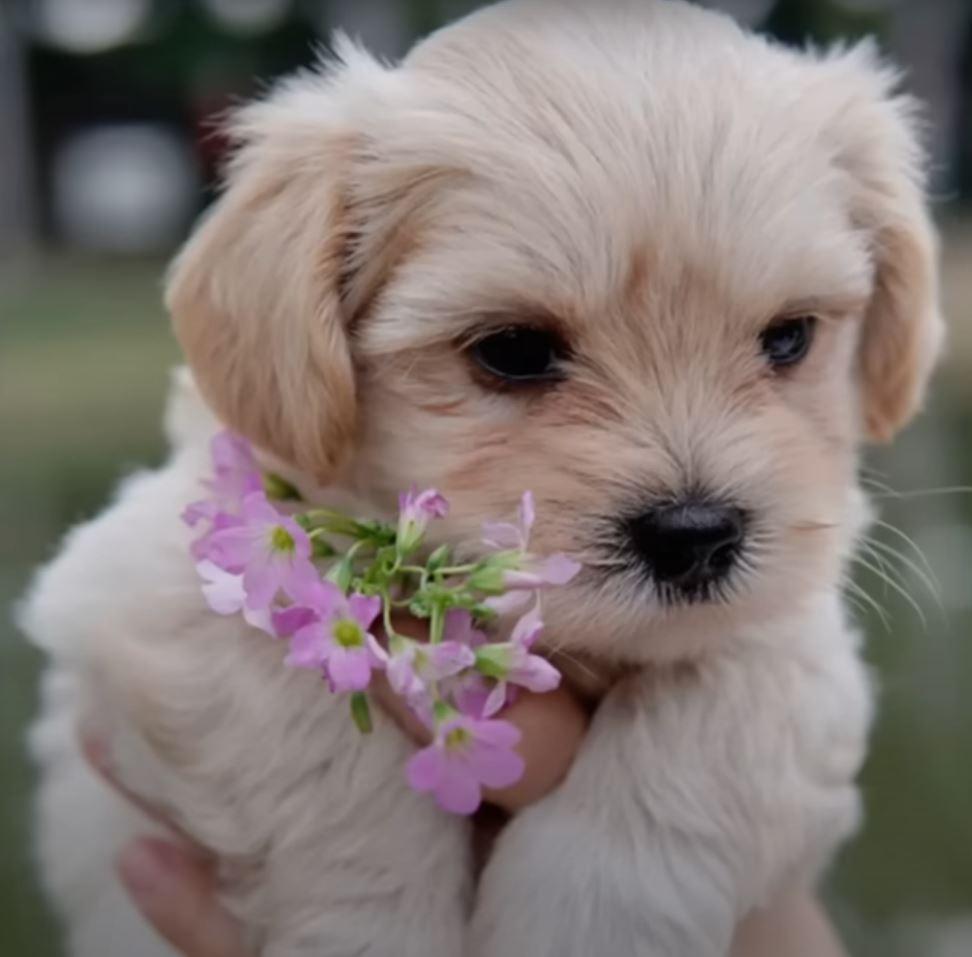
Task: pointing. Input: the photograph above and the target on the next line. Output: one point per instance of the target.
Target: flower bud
(415, 511)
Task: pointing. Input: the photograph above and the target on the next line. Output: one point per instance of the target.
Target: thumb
(175, 893)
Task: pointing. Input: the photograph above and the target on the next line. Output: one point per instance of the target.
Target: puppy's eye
(787, 343)
(520, 355)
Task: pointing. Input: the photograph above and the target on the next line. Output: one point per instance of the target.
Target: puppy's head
(663, 274)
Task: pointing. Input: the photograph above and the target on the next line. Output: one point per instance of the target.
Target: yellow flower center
(457, 739)
(281, 540)
(348, 633)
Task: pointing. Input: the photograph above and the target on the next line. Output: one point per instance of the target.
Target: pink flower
(512, 663)
(554, 570)
(529, 572)
(468, 689)
(334, 636)
(466, 755)
(415, 510)
(415, 666)
(202, 548)
(505, 536)
(270, 549)
(225, 595)
(237, 474)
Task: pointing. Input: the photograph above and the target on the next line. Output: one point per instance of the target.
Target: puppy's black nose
(689, 544)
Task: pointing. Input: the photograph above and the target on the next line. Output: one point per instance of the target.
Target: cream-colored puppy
(663, 273)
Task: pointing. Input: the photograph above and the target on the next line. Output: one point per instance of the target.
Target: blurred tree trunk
(928, 38)
(17, 223)
(382, 25)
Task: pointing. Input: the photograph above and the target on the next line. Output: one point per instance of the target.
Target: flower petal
(498, 734)
(433, 503)
(424, 769)
(496, 767)
(495, 701)
(286, 621)
(232, 546)
(529, 628)
(197, 512)
(401, 675)
(308, 647)
(231, 452)
(377, 654)
(528, 514)
(538, 573)
(364, 609)
(261, 579)
(448, 659)
(298, 576)
(258, 510)
(535, 674)
(509, 603)
(223, 591)
(347, 669)
(458, 789)
(261, 620)
(502, 536)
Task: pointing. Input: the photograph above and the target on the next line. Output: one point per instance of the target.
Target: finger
(96, 751)
(176, 895)
(552, 727)
(396, 708)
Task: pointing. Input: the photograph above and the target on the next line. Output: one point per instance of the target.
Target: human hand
(172, 883)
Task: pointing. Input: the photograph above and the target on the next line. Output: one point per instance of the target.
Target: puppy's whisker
(865, 602)
(925, 492)
(875, 484)
(894, 530)
(560, 652)
(882, 564)
(813, 526)
(903, 592)
(930, 581)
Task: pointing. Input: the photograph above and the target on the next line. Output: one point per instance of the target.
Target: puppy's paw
(557, 886)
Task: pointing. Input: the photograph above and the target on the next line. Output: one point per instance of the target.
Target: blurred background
(107, 152)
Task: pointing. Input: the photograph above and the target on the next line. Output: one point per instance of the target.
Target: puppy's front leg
(698, 796)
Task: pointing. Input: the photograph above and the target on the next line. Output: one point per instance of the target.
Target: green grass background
(84, 354)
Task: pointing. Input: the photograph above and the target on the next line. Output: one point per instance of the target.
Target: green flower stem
(436, 624)
(420, 570)
(394, 638)
(361, 712)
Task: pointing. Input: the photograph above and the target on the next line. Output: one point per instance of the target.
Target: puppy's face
(548, 254)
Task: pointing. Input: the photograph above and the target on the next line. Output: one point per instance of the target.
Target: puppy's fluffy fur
(658, 185)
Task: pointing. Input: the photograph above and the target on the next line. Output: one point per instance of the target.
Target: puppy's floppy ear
(255, 295)
(877, 144)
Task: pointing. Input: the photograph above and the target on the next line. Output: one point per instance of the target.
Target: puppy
(663, 273)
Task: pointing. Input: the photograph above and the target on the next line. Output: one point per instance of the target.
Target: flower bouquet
(331, 586)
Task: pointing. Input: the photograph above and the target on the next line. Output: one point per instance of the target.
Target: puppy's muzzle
(688, 547)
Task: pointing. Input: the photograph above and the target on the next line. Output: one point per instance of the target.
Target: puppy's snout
(689, 545)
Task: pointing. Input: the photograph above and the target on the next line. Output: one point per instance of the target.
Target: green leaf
(341, 573)
(441, 557)
(279, 489)
(442, 711)
(322, 548)
(493, 661)
(420, 606)
(361, 712)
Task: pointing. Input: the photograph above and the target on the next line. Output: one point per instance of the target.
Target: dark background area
(108, 147)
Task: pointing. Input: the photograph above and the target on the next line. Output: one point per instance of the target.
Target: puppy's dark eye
(787, 343)
(520, 355)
